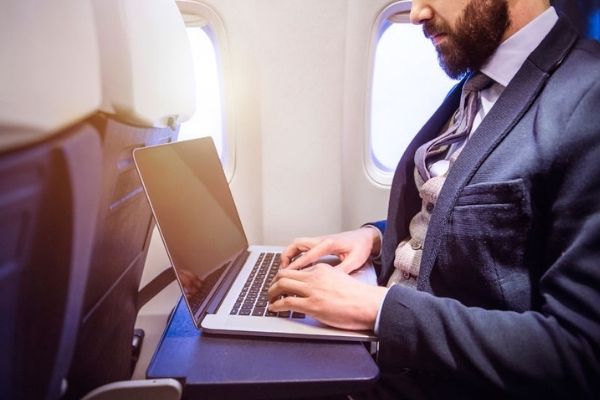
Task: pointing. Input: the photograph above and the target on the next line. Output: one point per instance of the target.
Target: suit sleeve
(553, 351)
(378, 224)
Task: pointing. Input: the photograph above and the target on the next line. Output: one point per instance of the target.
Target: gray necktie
(459, 129)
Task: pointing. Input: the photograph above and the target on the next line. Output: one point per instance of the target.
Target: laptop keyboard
(253, 299)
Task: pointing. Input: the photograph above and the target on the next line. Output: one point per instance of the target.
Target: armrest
(145, 389)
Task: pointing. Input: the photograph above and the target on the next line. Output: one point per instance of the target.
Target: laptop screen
(195, 213)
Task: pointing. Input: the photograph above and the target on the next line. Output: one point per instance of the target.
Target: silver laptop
(223, 280)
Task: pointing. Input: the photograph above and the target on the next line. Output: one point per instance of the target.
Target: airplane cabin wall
(300, 77)
(300, 56)
(298, 85)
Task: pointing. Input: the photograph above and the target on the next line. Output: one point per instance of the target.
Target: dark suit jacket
(509, 287)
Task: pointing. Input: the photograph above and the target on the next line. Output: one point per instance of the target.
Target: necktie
(461, 124)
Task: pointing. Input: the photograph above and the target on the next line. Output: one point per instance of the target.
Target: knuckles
(319, 271)
(328, 243)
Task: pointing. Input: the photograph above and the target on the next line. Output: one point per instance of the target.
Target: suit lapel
(508, 110)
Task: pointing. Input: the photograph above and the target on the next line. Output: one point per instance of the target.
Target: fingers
(296, 248)
(352, 247)
(287, 290)
(353, 262)
(322, 248)
(288, 283)
(348, 266)
(289, 303)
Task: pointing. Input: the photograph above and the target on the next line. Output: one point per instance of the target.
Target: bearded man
(489, 259)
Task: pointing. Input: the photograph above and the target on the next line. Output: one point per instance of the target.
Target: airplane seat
(49, 183)
(147, 91)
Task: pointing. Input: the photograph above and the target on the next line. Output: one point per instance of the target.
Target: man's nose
(420, 12)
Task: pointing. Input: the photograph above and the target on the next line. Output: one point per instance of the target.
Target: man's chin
(455, 74)
(452, 69)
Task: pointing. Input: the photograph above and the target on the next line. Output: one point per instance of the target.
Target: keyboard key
(262, 303)
(259, 311)
(298, 315)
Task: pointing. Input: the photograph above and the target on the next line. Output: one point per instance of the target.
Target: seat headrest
(49, 68)
(147, 72)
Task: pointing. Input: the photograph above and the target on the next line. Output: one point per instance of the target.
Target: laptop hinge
(223, 287)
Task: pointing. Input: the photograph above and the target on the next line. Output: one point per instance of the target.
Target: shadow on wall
(585, 14)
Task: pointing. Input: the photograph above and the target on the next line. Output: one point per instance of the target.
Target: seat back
(147, 91)
(49, 181)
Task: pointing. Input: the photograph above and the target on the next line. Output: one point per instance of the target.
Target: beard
(477, 34)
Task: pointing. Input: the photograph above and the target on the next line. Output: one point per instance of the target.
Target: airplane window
(208, 119)
(408, 86)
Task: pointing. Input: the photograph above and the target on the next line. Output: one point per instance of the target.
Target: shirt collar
(512, 53)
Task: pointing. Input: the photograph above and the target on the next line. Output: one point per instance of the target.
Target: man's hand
(327, 294)
(352, 247)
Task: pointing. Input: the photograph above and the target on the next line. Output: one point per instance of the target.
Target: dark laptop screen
(195, 212)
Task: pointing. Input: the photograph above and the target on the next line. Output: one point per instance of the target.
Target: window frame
(198, 14)
(401, 8)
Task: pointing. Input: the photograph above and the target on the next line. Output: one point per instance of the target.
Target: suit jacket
(508, 299)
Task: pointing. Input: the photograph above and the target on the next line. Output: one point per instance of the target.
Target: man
(497, 229)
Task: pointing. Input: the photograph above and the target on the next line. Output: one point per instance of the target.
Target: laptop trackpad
(365, 274)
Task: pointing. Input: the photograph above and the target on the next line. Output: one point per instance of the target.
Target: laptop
(224, 281)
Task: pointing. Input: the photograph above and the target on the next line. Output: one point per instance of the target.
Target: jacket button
(429, 207)
(416, 244)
